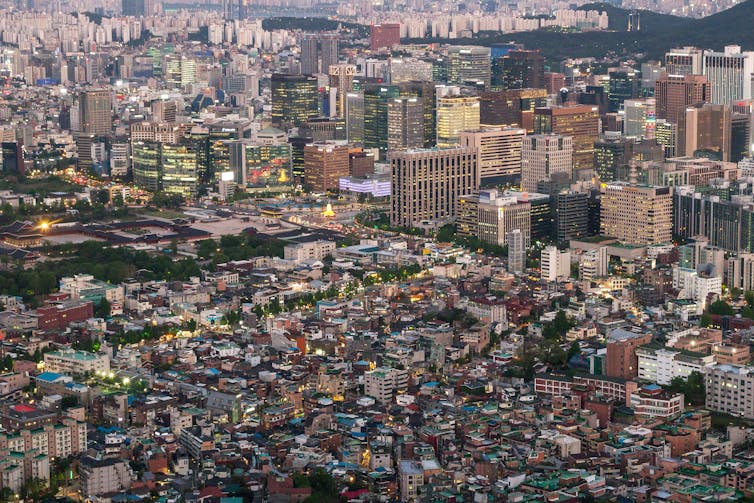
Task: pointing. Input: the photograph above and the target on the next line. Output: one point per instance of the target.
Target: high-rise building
(427, 183)
(132, 7)
(519, 69)
(639, 118)
(405, 123)
(341, 78)
(684, 61)
(676, 92)
(555, 265)
(355, 118)
(95, 111)
(295, 98)
(498, 215)
(571, 215)
(581, 122)
(639, 215)
(146, 165)
(624, 84)
(384, 35)
(705, 129)
(499, 153)
(324, 165)
(469, 64)
(455, 114)
(542, 156)
(428, 93)
(610, 155)
(318, 52)
(729, 73)
(516, 252)
(376, 98)
(512, 108)
(12, 159)
(666, 135)
(180, 168)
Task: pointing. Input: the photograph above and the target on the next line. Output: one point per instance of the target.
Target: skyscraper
(705, 129)
(499, 153)
(96, 111)
(581, 122)
(684, 61)
(499, 215)
(729, 73)
(324, 165)
(676, 92)
(405, 123)
(624, 84)
(516, 252)
(341, 78)
(639, 118)
(542, 156)
(513, 108)
(180, 168)
(571, 215)
(427, 183)
(455, 114)
(318, 52)
(610, 155)
(146, 165)
(634, 214)
(469, 64)
(519, 69)
(295, 98)
(376, 98)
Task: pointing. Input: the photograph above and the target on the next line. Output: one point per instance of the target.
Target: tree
(103, 309)
(206, 248)
(573, 350)
(167, 200)
(720, 307)
(705, 320)
(446, 233)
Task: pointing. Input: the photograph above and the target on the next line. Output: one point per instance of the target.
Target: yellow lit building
(638, 215)
(455, 114)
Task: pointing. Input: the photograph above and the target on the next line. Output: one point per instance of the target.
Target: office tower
(13, 159)
(638, 215)
(581, 122)
(513, 108)
(384, 35)
(146, 165)
(676, 92)
(684, 61)
(428, 93)
(555, 265)
(341, 78)
(650, 72)
(164, 111)
(516, 252)
(666, 135)
(540, 211)
(95, 108)
(622, 361)
(263, 162)
(409, 70)
(610, 155)
(624, 84)
(571, 211)
(519, 69)
(360, 163)
(639, 118)
(455, 114)
(554, 82)
(705, 129)
(180, 168)
(324, 129)
(309, 55)
(328, 50)
(324, 165)
(542, 156)
(499, 153)
(355, 118)
(376, 98)
(740, 137)
(499, 215)
(427, 183)
(295, 98)
(405, 123)
(469, 64)
(120, 158)
(729, 73)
